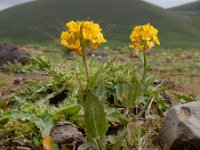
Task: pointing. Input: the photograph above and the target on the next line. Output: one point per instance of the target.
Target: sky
(163, 3)
(9, 3)
(169, 3)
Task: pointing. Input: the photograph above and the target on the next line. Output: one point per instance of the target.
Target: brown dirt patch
(188, 89)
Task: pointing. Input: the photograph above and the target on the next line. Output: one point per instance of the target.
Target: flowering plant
(144, 37)
(80, 35)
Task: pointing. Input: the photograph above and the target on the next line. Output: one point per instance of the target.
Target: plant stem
(144, 65)
(147, 113)
(143, 109)
(86, 67)
(99, 145)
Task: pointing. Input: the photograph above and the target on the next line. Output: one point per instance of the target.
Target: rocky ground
(178, 71)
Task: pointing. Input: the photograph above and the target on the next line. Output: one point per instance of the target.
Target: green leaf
(41, 63)
(95, 118)
(101, 92)
(184, 98)
(114, 115)
(128, 93)
(85, 146)
(119, 89)
(148, 83)
(20, 115)
(72, 110)
(95, 78)
(134, 91)
(45, 124)
(15, 115)
(68, 111)
(119, 139)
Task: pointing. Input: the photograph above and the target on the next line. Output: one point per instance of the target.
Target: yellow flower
(144, 37)
(74, 26)
(70, 41)
(81, 35)
(92, 33)
(97, 41)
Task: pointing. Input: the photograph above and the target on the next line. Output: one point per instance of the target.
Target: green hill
(192, 7)
(191, 11)
(42, 21)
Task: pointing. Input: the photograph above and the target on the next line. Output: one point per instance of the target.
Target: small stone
(67, 133)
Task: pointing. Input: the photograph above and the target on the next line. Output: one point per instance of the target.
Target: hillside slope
(191, 11)
(42, 21)
(194, 6)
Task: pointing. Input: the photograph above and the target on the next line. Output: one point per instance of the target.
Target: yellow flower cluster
(144, 37)
(82, 34)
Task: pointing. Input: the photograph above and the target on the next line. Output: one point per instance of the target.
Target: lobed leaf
(45, 124)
